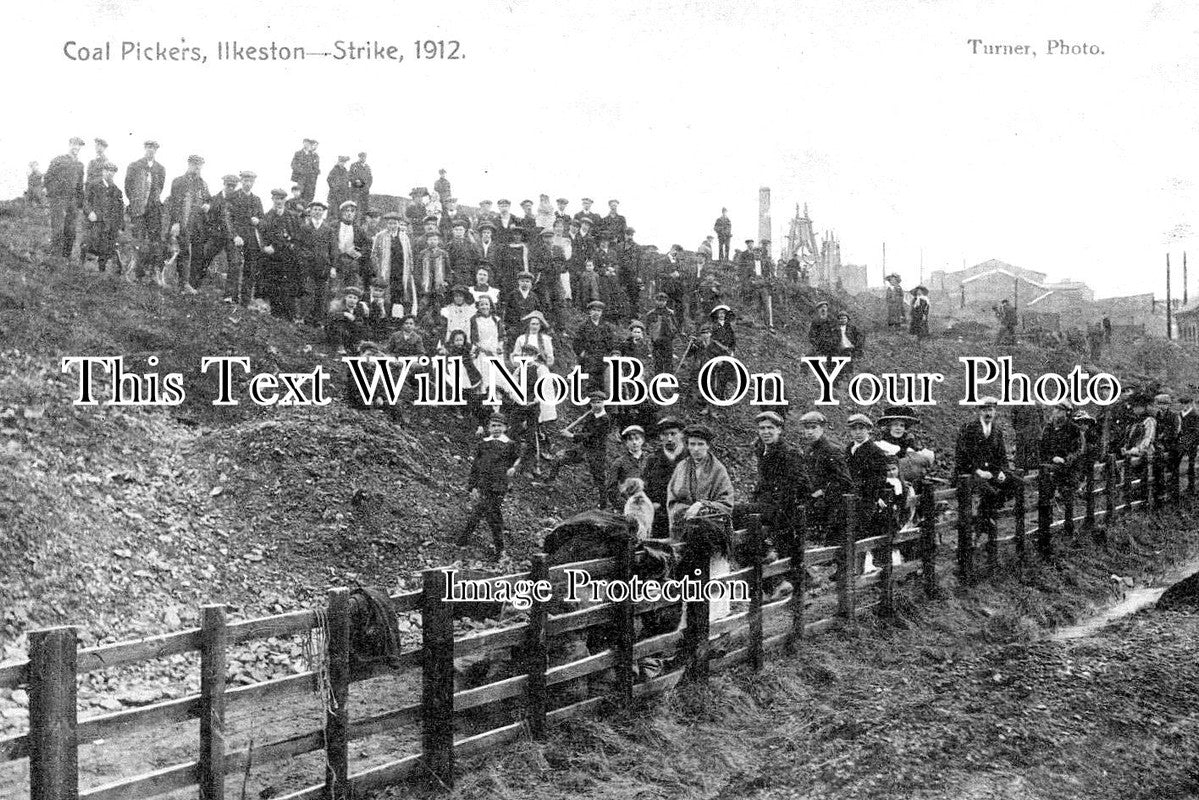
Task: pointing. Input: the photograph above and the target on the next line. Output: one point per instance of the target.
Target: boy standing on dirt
(496, 460)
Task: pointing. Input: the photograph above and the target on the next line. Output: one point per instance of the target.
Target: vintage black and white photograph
(543, 400)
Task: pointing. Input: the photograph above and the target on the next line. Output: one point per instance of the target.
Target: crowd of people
(439, 279)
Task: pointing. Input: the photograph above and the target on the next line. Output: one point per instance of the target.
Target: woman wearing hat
(895, 437)
(537, 343)
(458, 313)
(920, 308)
(894, 299)
(483, 287)
(629, 464)
(700, 485)
(486, 333)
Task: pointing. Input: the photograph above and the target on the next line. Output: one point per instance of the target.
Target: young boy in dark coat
(491, 472)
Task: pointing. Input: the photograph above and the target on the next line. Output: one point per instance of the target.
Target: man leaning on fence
(782, 485)
(981, 455)
(1062, 447)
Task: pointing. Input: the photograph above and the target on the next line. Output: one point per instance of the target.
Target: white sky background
(874, 113)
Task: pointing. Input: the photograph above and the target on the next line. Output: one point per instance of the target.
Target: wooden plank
(337, 709)
(490, 693)
(819, 626)
(53, 739)
(781, 566)
(660, 684)
(662, 643)
(14, 748)
(132, 652)
(578, 620)
(536, 652)
(493, 639)
(596, 567)
(384, 721)
(290, 623)
(866, 581)
(871, 542)
(578, 669)
(14, 674)
(310, 793)
(721, 626)
(437, 721)
(626, 621)
(107, 726)
(384, 775)
(1045, 513)
(302, 683)
(403, 602)
(908, 534)
(292, 746)
(730, 659)
(482, 742)
(409, 659)
(820, 555)
(213, 640)
(151, 784)
(574, 709)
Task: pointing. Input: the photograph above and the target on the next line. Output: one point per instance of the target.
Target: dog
(637, 506)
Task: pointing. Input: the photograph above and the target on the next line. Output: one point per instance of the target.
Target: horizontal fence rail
(541, 692)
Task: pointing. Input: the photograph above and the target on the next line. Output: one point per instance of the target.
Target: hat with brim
(894, 276)
(524, 275)
(918, 290)
(722, 307)
(596, 304)
(487, 225)
(318, 204)
(1161, 398)
(347, 204)
(150, 144)
(636, 323)
(898, 414)
(353, 289)
(393, 215)
(230, 178)
(537, 315)
(597, 394)
(101, 143)
(279, 194)
(699, 432)
(629, 431)
(1083, 417)
(75, 140)
(497, 417)
(823, 303)
(462, 290)
(661, 296)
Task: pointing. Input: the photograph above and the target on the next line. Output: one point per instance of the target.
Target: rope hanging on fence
(317, 653)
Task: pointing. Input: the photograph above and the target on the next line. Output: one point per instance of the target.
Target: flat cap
(771, 417)
(101, 142)
(280, 193)
(230, 178)
(859, 419)
(661, 296)
(362, 155)
(498, 417)
(989, 400)
(150, 143)
(318, 204)
(524, 275)
(78, 141)
(503, 202)
(353, 288)
(629, 231)
(245, 173)
(596, 304)
(526, 202)
(813, 418)
(374, 212)
(432, 218)
(588, 200)
(1161, 398)
(562, 201)
(393, 215)
(629, 431)
(347, 204)
(699, 432)
(613, 202)
(342, 159)
(669, 423)
(636, 323)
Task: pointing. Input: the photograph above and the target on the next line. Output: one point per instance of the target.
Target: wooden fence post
(698, 624)
(1019, 512)
(1149, 487)
(886, 599)
(928, 537)
(536, 651)
(626, 637)
(1126, 474)
(849, 559)
(1110, 488)
(1088, 513)
(53, 743)
(966, 529)
(1044, 512)
(337, 714)
(437, 695)
(798, 578)
(757, 550)
(1191, 473)
(213, 663)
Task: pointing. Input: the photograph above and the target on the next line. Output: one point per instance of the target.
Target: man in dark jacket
(828, 479)
(614, 224)
(1167, 447)
(588, 445)
(144, 181)
(339, 183)
(306, 169)
(105, 209)
(64, 190)
(981, 454)
(782, 484)
(662, 328)
(724, 234)
(867, 466)
(594, 340)
(247, 217)
(317, 252)
(360, 184)
(187, 216)
(820, 332)
(491, 472)
(628, 255)
(279, 281)
(659, 469)
(1062, 447)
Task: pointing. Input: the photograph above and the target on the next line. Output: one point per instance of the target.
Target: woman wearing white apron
(536, 342)
(487, 335)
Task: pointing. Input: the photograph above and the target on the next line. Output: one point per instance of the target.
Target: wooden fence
(1107, 490)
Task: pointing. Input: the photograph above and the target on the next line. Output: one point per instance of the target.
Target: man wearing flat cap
(306, 169)
(981, 455)
(442, 185)
(317, 256)
(338, 180)
(562, 213)
(353, 245)
(630, 463)
(613, 224)
(247, 217)
(517, 302)
(588, 214)
(588, 436)
(868, 470)
(360, 184)
(1168, 440)
(279, 281)
(506, 225)
(220, 232)
(1062, 448)
(392, 260)
(662, 328)
(104, 209)
(628, 256)
(528, 220)
(828, 479)
(144, 181)
(187, 216)
(95, 167)
(724, 234)
(782, 485)
(594, 340)
(64, 191)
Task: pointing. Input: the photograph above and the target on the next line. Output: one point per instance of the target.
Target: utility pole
(1169, 309)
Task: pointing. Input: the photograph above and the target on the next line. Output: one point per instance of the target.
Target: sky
(878, 115)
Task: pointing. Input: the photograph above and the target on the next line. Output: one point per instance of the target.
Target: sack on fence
(374, 630)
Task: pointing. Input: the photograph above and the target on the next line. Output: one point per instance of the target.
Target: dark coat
(305, 166)
(107, 203)
(974, 451)
(339, 186)
(188, 193)
(245, 207)
(592, 343)
(318, 249)
(782, 480)
(1065, 440)
(867, 469)
(64, 179)
(493, 459)
(514, 306)
(153, 178)
(824, 464)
